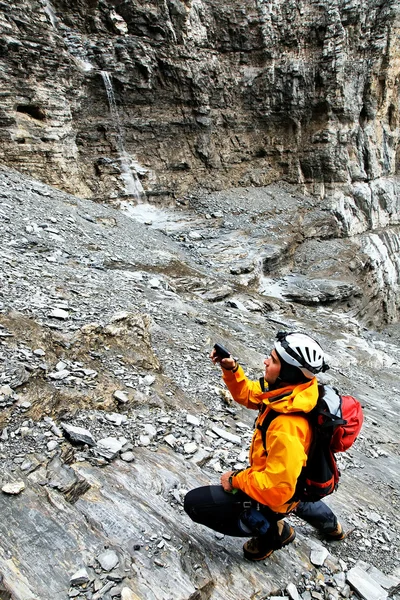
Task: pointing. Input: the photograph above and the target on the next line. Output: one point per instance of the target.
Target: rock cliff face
(206, 93)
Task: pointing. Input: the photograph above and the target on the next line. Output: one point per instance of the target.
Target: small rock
(154, 283)
(190, 447)
(39, 352)
(226, 435)
(59, 375)
(6, 390)
(127, 594)
(59, 313)
(214, 295)
(194, 235)
(364, 585)
(116, 418)
(25, 405)
(340, 579)
(108, 560)
(292, 591)
(13, 488)
(318, 556)
(78, 434)
(148, 380)
(192, 420)
(109, 447)
(374, 517)
(128, 456)
(171, 440)
(150, 430)
(158, 563)
(79, 577)
(121, 396)
(52, 445)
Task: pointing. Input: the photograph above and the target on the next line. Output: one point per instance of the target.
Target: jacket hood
(293, 398)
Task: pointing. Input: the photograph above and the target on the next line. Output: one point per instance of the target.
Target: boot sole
(288, 540)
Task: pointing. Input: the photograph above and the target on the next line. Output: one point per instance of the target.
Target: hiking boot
(263, 546)
(336, 535)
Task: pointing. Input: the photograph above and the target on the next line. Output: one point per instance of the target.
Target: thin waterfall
(72, 40)
(133, 187)
(51, 13)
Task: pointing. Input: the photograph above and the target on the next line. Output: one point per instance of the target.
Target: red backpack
(336, 422)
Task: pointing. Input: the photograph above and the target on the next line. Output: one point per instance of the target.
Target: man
(255, 500)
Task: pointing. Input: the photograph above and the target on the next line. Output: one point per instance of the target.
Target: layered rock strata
(207, 94)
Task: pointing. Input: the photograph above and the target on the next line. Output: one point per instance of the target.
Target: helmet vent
(307, 351)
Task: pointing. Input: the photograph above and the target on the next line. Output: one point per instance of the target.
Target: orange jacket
(272, 475)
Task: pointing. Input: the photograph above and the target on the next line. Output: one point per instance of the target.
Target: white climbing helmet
(300, 350)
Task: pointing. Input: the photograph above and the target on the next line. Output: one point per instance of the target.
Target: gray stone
(192, 420)
(150, 430)
(388, 582)
(108, 560)
(190, 447)
(39, 352)
(59, 313)
(109, 447)
(14, 488)
(59, 375)
(170, 440)
(292, 591)
(226, 435)
(116, 418)
(365, 585)
(79, 577)
(121, 396)
(318, 555)
(128, 594)
(52, 445)
(128, 456)
(78, 434)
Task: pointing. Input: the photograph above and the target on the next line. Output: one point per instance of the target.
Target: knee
(189, 504)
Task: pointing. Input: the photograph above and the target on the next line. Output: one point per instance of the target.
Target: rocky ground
(110, 409)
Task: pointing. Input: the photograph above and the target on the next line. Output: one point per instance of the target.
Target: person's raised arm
(243, 390)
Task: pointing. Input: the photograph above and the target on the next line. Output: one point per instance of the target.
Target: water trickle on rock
(51, 13)
(133, 187)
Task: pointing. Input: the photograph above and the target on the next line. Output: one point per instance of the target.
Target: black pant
(239, 516)
(231, 514)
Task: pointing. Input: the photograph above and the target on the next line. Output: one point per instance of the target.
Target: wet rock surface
(111, 410)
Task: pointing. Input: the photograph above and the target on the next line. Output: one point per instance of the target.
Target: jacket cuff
(235, 374)
(235, 479)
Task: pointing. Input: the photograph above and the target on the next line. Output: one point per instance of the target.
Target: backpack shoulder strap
(265, 424)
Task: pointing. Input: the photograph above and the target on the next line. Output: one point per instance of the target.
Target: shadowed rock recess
(176, 173)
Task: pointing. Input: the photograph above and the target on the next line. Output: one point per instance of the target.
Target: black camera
(221, 351)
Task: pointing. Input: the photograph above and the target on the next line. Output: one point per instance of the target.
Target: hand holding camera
(221, 355)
